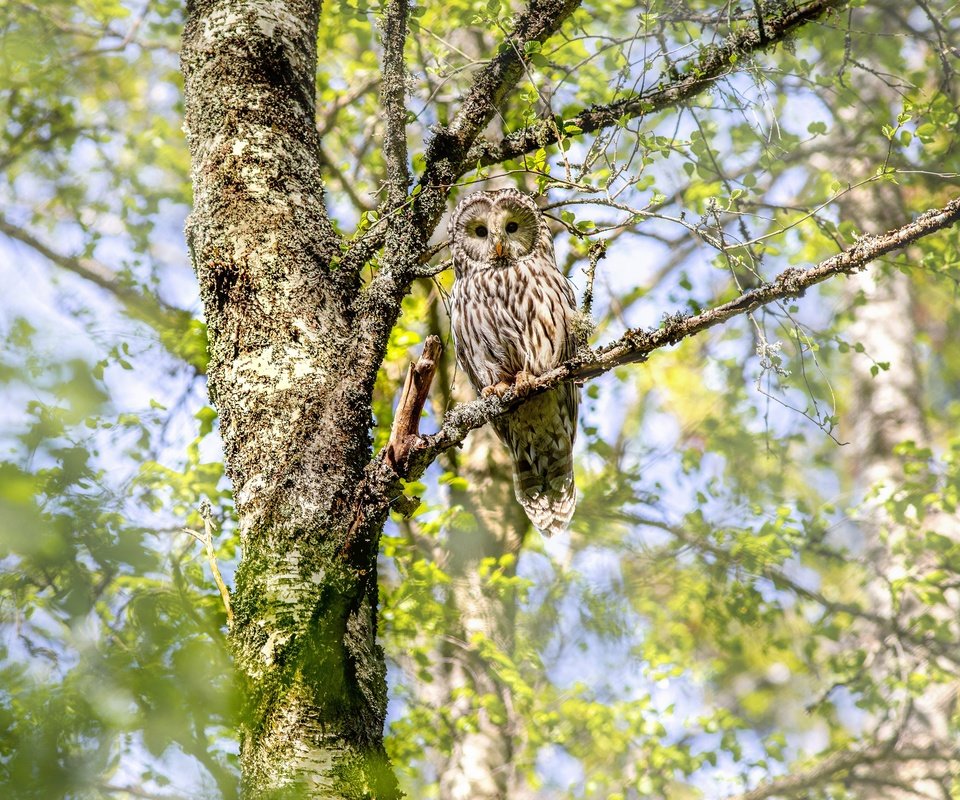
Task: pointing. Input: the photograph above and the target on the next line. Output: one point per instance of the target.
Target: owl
(512, 314)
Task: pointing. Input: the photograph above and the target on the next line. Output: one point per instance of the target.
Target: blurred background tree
(759, 594)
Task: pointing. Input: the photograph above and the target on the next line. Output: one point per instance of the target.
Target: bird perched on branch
(513, 315)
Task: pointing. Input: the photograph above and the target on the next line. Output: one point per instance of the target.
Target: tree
(769, 642)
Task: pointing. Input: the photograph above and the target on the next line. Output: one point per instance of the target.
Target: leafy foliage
(743, 592)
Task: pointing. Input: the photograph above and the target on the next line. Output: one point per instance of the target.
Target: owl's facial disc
(497, 233)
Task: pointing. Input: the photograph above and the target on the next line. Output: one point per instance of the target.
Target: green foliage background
(708, 624)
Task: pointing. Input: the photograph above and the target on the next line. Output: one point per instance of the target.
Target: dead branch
(405, 433)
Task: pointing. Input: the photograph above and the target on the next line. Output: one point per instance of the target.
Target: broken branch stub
(405, 433)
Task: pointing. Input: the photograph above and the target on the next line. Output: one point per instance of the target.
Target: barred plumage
(512, 314)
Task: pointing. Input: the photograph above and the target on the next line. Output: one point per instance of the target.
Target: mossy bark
(294, 416)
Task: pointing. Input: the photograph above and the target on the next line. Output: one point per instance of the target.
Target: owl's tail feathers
(549, 496)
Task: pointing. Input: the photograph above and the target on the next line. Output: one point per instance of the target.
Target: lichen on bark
(280, 318)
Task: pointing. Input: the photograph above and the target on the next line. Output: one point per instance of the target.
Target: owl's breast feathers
(510, 319)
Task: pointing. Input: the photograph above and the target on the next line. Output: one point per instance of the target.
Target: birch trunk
(886, 413)
(293, 415)
(480, 764)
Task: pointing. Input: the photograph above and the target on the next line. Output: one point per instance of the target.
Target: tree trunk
(294, 415)
(887, 410)
(479, 765)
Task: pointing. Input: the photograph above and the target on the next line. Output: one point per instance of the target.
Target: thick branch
(713, 63)
(637, 345)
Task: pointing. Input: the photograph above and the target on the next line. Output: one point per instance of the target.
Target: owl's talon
(523, 383)
(498, 390)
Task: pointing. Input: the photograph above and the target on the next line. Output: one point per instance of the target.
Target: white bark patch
(307, 759)
(218, 22)
(276, 639)
(271, 18)
(252, 487)
(273, 368)
(316, 763)
(281, 585)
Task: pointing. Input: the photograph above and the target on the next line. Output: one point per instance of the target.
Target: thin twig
(597, 252)
(207, 513)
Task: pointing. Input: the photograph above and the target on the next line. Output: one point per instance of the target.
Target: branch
(837, 765)
(714, 62)
(393, 90)
(163, 317)
(405, 433)
(330, 166)
(637, 345)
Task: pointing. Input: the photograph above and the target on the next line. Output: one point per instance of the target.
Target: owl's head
(495, 229)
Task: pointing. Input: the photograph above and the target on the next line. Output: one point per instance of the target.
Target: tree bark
(886, 412)
(295, 428)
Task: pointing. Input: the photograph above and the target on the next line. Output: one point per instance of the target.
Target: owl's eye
(512, 227)
(481, 231)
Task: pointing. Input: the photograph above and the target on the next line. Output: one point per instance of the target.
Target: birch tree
(705, 166)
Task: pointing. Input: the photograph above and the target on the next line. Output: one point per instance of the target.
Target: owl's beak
(498, 248)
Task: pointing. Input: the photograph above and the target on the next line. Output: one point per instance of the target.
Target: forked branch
(446, 154)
